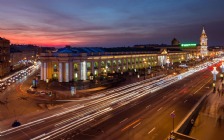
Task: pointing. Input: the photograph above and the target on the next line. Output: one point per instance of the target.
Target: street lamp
(168, 62)
(222, 67)
(172, 116)
(214, 87)
(214, 72)
(138, 76)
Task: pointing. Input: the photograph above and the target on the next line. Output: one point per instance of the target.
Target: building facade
(70, 64)
(4, 56)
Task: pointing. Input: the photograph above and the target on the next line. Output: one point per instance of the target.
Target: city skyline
(110, 24)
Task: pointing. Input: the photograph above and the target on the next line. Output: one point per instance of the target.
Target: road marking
(201, 87)
(159, 109)
(148, 106)
(136, 125)
(185, 101)
(123, 120)
(151, 130)
(130, 125)
(174, 98)
(26, 134)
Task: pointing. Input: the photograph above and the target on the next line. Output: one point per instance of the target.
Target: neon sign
(188, 45)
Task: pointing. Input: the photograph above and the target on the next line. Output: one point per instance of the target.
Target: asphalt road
(48, 121)
(150, 119)
(15, 101)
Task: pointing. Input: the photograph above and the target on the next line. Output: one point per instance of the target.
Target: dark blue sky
(110, 23)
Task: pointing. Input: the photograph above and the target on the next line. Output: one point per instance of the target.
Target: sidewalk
(209, 124)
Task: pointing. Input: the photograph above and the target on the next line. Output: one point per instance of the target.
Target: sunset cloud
(109, 23)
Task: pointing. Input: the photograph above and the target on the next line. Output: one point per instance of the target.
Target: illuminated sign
(188, 45)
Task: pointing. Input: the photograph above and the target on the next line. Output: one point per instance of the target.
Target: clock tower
(203, 43)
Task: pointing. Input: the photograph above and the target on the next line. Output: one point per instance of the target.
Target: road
(158, 104)
(151, 118)
(14, 99)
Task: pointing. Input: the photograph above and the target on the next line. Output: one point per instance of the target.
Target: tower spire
(203, 30)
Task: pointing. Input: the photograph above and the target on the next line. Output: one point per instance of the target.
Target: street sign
(172, 114)
(73, 91)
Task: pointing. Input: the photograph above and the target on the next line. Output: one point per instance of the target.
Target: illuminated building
(4, 56)
(203, 43)
(197, 50)
(70, 64)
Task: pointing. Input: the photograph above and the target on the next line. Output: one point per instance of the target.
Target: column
(66, 72)
(71, 71)
(79, 71)
(45, 71)
(42, 71)
(117, 65)
(92, 67)
(135, 64)
(83, 70)
(127, 65)
(60, 72)
(122, 65)
(99, 67)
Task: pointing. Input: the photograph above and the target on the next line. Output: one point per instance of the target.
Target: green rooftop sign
(188, 45)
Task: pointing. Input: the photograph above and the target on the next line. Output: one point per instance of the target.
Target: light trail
(104, 103)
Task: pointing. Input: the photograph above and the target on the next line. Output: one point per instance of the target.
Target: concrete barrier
(185, 126)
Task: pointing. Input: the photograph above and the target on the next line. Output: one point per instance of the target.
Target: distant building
(203, 43)
(4, 56)
(196, 50)
(175, 42)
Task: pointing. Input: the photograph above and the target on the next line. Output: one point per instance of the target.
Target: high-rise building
(4, 56)
(203, 43)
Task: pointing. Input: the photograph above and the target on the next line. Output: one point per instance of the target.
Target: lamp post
(214, 72)
(172, 116)
(91, 78)
(168, 62)
(222, 67)
(138, 76)
(214, 87)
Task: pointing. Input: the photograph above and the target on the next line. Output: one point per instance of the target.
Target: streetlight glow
(214, 72)
(222, 67)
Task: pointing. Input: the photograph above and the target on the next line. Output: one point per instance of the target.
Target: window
(55, 68)
(75, 66)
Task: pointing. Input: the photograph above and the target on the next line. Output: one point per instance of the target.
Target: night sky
(110, 23)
